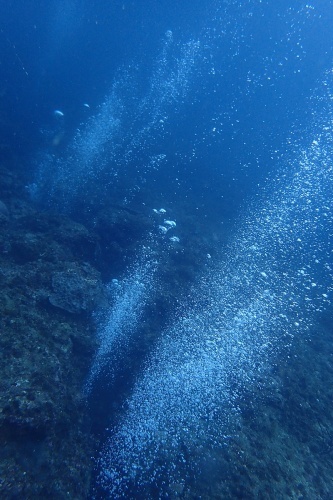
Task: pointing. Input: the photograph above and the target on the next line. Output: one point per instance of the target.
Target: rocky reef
(53, 272)
(48, 290)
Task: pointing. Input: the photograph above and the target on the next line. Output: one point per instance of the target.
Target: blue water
(221, 114)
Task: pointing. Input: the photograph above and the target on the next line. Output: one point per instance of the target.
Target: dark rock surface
(48, 291)
(52, 275)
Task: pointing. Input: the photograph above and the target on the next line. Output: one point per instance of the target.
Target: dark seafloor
(285, 445)
(51, 282)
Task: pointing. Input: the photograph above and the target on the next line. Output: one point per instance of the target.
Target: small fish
(57, 112)
(86, 105)
(175, 239)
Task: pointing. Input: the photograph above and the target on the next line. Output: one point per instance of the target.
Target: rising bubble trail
(129, 298)
(274, 280)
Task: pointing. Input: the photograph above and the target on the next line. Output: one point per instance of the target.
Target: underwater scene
(166, 249)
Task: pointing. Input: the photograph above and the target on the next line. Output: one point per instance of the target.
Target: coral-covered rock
(77, 289)
(45, 352)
